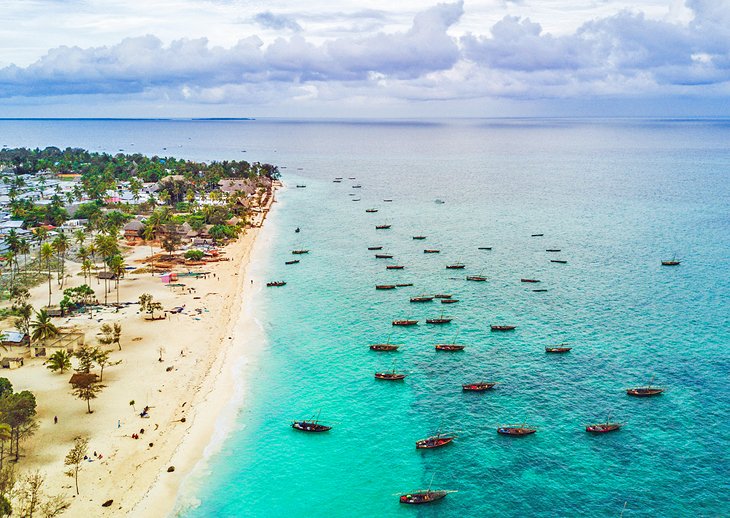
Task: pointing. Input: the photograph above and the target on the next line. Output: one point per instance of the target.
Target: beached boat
(312, 425)
(385, 286)
(442, 296)
(515, 431)
(299, 252)
(477, 278)
(371, 210)
(375, 248)
(405, 322)
(419, 237)
(557, 349)
(382, 227)
(455, 266)
(423, 496)
(383, 256)
(502, 328)
(276, 283)
(404, 284)
(449, 301)
(529, 280)
(479, 386)
(435, 441)
(394, 267)
(431, 251)
(449, 347)
(422, 298)
(559, 261)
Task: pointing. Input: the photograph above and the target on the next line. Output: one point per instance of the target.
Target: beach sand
(203, 346)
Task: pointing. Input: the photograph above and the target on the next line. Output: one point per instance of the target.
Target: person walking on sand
(55, 419)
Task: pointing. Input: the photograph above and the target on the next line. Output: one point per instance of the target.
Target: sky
(365, 58)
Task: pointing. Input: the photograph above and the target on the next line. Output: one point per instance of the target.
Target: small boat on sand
(295, 261)
(394, 267)
(422, 298)
(442, 296)
(404, 284)
(419, 237)
(312, 425)
(502, 328)
(449, 301)
(300, 251)
(476, 278)
(515, 431)
(449, 347)
(385, 286)
(558, 349)
(382, 227)
(435, 441)
(529, 280)
(405, 322)
(455, 266)
(479, 386)
(375, 248)
(559, 261)
(383, 256)
(275, 283)
(431, 251)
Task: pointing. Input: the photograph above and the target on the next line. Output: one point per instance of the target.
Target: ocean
(615, 196)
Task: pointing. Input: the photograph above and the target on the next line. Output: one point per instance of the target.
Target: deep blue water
(616, 196)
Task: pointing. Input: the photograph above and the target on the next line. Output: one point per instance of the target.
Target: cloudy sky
(349, 58)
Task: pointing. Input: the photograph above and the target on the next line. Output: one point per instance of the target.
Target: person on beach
(55, 419)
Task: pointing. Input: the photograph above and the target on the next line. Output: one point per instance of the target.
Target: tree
(60, 246)
(85, 356)
(19, 410)
(59, 361)
(118, 334)
(75, 458)
(86, 386)
(118, 267)
(148, 304)
(6, 388)
(101, 357)
(6, 434)
(194, 255)
(22, 323)
(42, 327)
(46, 255)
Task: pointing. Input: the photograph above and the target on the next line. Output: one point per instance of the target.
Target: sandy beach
(202, 348)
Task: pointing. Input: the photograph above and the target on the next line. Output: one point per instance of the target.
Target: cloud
(269, 20)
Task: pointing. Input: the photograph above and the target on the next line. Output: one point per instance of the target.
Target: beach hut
(134, 230)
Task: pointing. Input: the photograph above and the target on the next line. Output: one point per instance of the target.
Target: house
(12, 338)
(66, 341)
(11, 362)
(134, 230)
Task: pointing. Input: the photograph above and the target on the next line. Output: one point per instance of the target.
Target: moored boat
(312, 425)
(449, 301)
(439, 320)
(383, 256)
(449, 347)
(295, 261)
(537, 235)
(300, 251)
(502, 328)
(515, 431)
(484, 248)
(435, 441)
(431, 251)
(423, 496)
(455, 266)
(382, 227)
(404, 284)
(672, 262)
(540, 290)
(603, 427)
(405, 322)
(644, 391)
(384, 347)
(390, 376)
(477, 278)
(529, 280)
(558, 349)
(422, 298)
(301, 186)
(559, 261)
(385, 286)
(442, 296)
(479, 386)
(371, 210)
(394, 267)
(375, 248)
(419, 237)
(275, 283)
(553, 250)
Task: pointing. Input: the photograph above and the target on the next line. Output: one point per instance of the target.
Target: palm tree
(60, 246)
(107, 247)
(117, 266)
(24, 248)
(59, 361)
(42, 327)
(46, 254)
(80, 237)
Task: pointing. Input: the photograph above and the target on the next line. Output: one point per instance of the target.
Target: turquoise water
(616, 196)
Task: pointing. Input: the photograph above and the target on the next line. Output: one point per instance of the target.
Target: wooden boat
(455, 266)
(644, 391)
(390, 375)
(529, 280)
(404, 284)
(673, 262)
(382, 227)
(449, 301)
(442, 296)
(537, 235)
(299, 252)
(338, 178)
(336, 181)
(449, 347)
(295, 261)
(387, 201)
(383, 256)
(560, 261)
(423, 496)
(394, 267)
(484, 248)
(479, 386)
(431, 251)
(477, 278)
(553, 250)
(384, 347)
(419, 237)
(405, 322)
(310, 426)
(502, 328)
(558, 349)
(515, 431)
(297, 230)
(603, 427)
(422, 298)
(276, 283)
(385, 286)
(375, 248)
(435, 441)
(300, 186)
(357, 186)
(439, 320)
(371, 210)
(351, 178)
(540, 291)
(440, 202)
(356, 199)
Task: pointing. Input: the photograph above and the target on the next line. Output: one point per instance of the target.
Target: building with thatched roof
(134, 230)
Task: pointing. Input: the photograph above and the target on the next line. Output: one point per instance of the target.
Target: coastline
(188, 393)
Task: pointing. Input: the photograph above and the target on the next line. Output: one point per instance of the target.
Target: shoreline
(194, 397)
